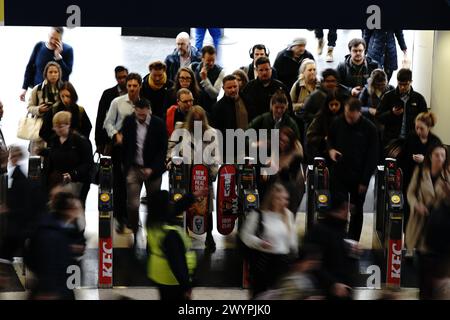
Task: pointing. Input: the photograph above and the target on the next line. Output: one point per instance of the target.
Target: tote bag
(29, 127)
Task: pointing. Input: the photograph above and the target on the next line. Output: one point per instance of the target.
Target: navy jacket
(381, 46)
(172, 62)
(39, 58)
(155, 145)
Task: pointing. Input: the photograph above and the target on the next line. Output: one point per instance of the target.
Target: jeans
(200, 36)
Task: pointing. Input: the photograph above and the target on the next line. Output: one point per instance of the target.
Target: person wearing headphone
(257, 51)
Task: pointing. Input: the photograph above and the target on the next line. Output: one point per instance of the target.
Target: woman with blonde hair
(68, 158)
(305, 85)
(273, 245)
(209, 138)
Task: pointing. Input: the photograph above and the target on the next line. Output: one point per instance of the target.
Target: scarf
(154, 86)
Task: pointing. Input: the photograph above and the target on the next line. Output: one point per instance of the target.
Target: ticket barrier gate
(388, 227)
(247, 186)
(249, 200)
(105, 224)
(179, 185)
(317, 191)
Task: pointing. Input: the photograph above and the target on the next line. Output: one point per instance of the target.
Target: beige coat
(216, 159)
(427, 194)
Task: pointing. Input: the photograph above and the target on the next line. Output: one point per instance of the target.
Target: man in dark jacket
(338, 270)
(182, 56)
(53, 248)
(144, 152)
(102, 140)
(399, 108)
(156, 87)
(259, 91)
(289, 60)
(353, 148)
(356, 68)
(230, 112)
(24, 204)
(209, 75)
(257, 51)
(277, 117)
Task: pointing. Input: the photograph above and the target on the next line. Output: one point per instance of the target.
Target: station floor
(97, 52)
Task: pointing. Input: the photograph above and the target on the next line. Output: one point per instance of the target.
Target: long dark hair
(288, 132)
(193, 87)
(324, 115)
(427, 160)
(73, 93)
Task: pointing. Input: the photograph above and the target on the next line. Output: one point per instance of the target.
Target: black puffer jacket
(287, 66)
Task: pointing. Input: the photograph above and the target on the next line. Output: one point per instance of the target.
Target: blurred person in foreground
(300, 283)
(437, 240)
(428, 188)
(339, 263)
(275, 244)
(51, 250)
(171, 263)
(24, 203)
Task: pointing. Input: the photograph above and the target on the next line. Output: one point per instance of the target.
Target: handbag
(95, 171)
(29, 127)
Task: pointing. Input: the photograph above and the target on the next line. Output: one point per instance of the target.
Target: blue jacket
(39, 58)
(173, 62)
(381, 46)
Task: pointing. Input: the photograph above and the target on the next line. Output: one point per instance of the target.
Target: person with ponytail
(416, 147)
(275, 244)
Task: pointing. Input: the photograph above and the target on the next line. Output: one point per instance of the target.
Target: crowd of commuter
(350, 116)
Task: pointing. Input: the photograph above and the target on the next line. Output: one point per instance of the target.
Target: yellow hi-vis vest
(158, 268)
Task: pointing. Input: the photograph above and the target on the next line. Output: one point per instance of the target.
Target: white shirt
(283, 239)
(141, 134)
(120, 108)
(213, 90)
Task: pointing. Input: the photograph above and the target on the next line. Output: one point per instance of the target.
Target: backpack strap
(260, 228)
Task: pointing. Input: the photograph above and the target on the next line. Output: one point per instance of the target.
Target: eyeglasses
(61, 126)
(185, 78)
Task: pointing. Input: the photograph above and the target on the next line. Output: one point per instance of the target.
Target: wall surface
(440, 89)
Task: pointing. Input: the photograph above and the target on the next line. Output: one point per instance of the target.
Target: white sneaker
(329, 56)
